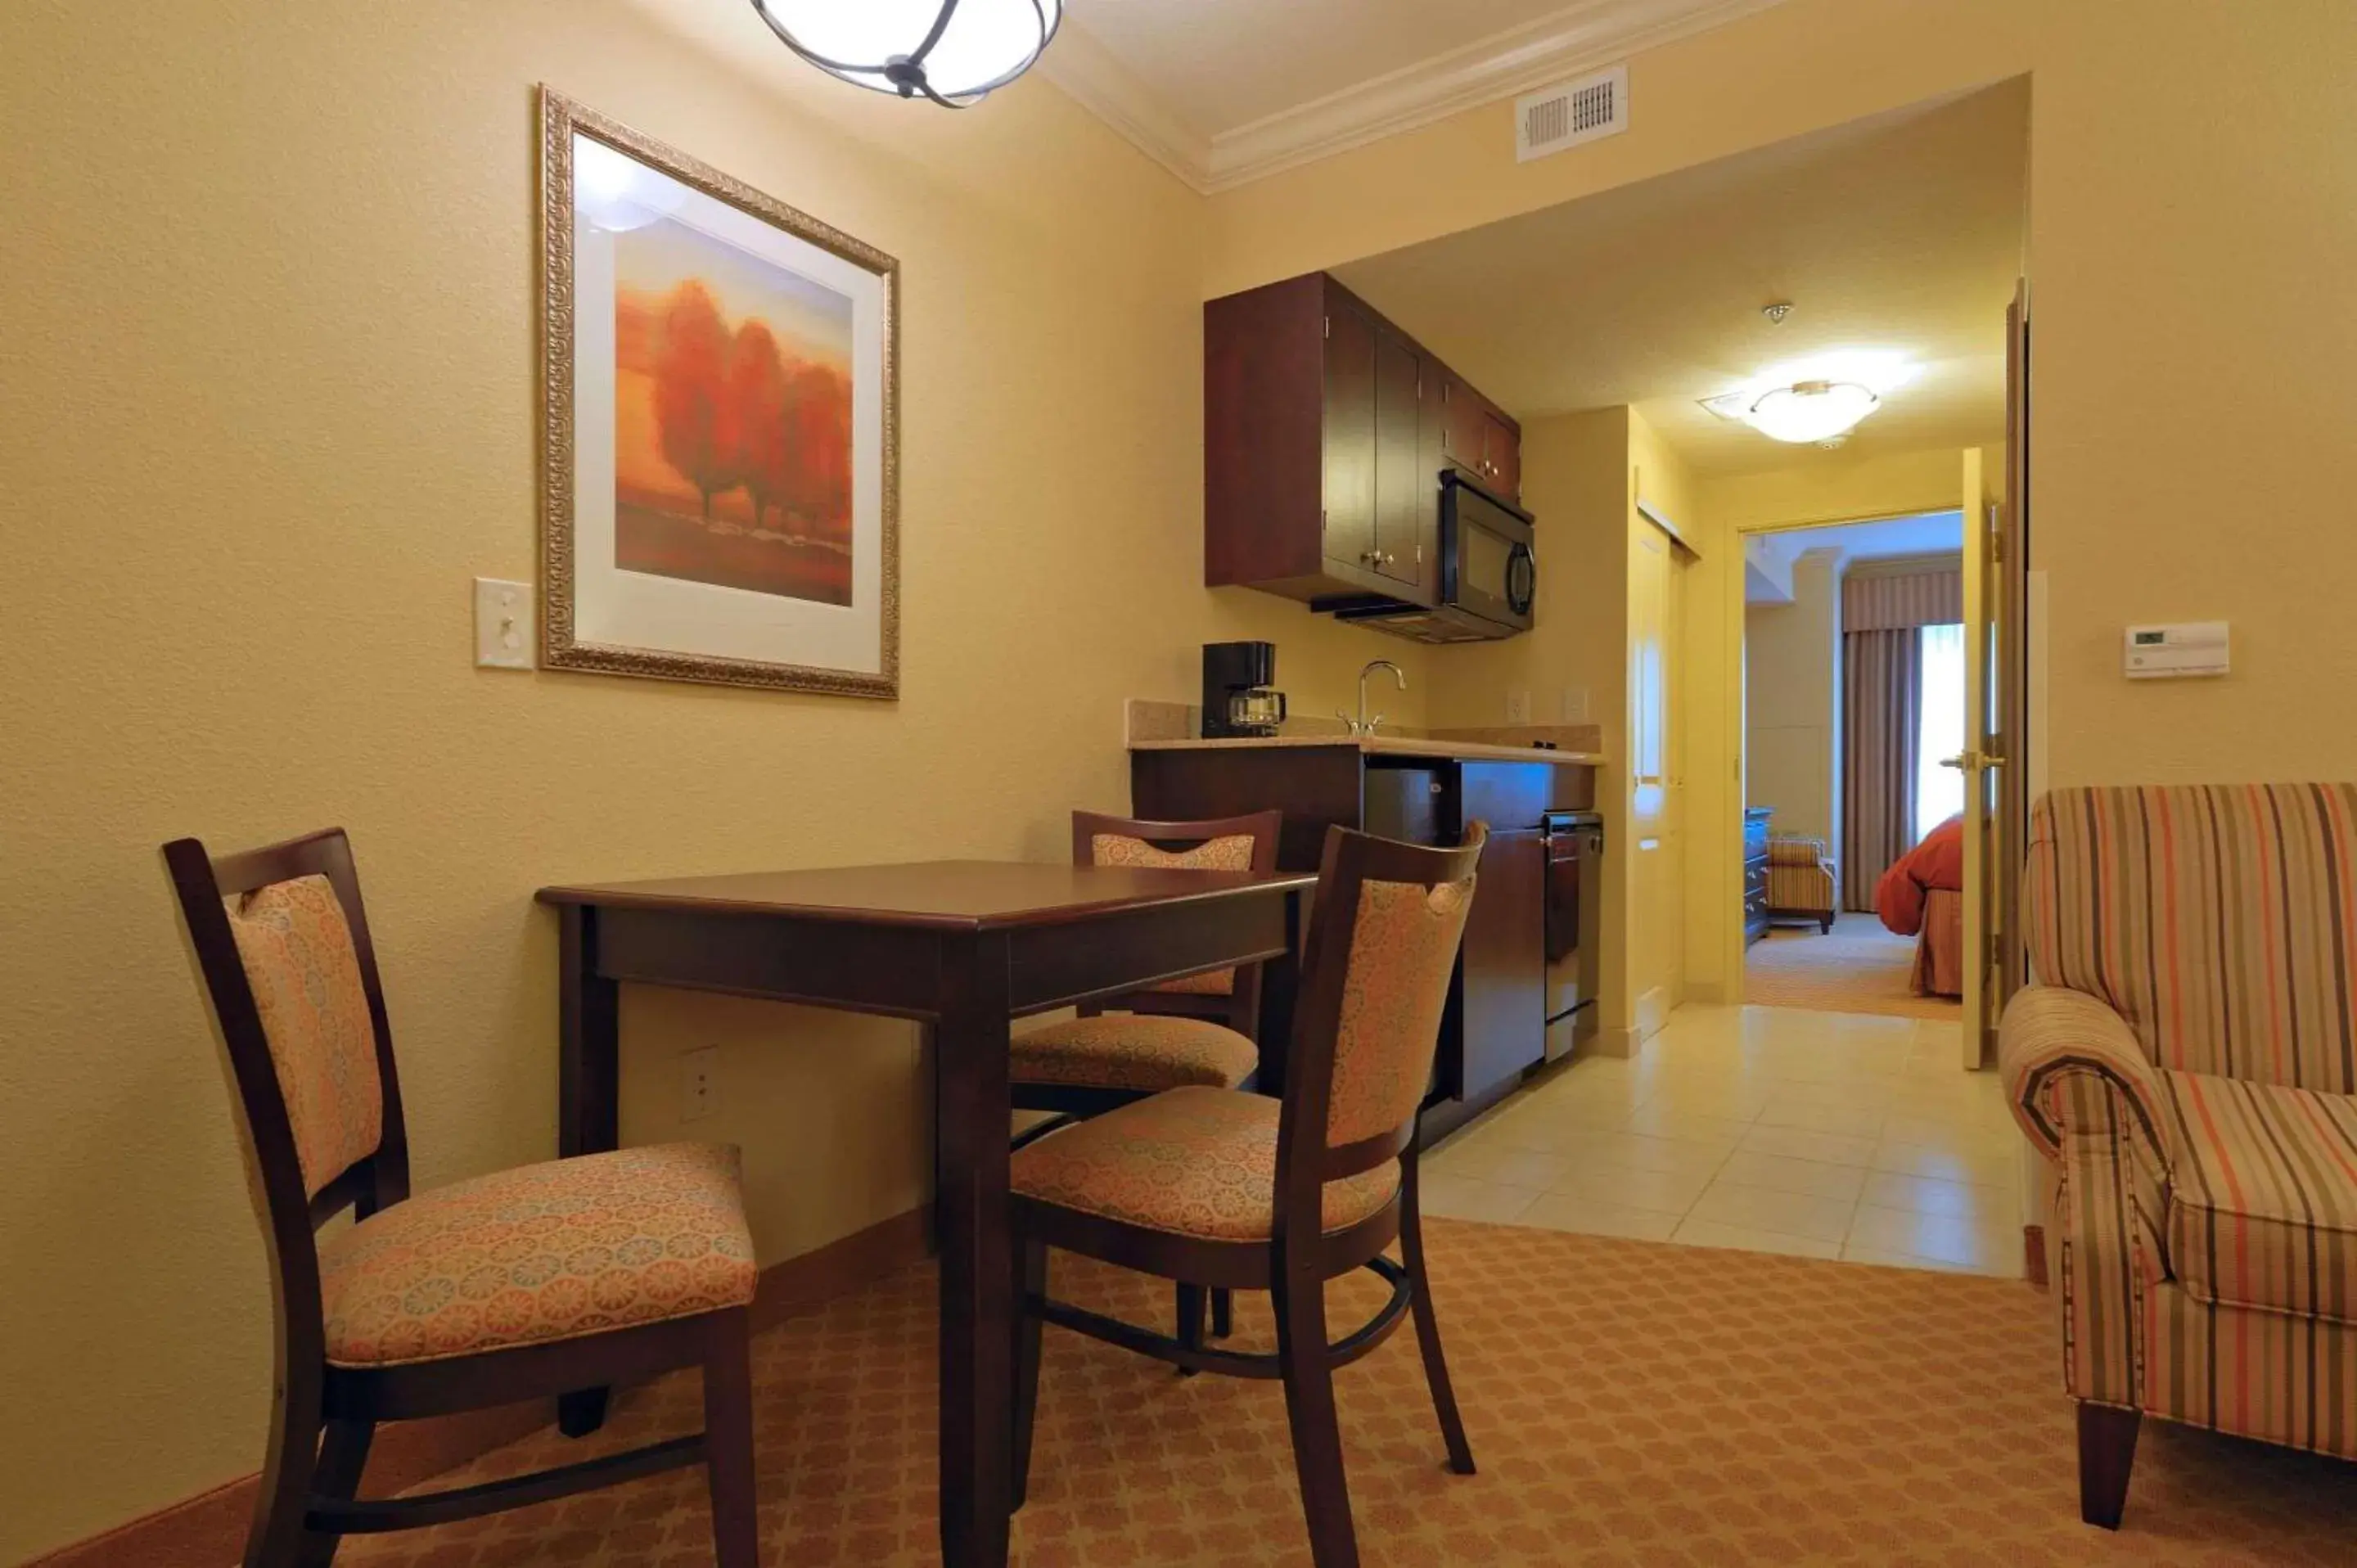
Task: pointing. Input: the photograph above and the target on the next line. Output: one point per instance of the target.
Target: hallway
(1824, 1134)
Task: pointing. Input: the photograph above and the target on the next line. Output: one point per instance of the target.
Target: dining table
(962, 947)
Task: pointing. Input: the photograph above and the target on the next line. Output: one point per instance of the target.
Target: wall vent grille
(1555, 118)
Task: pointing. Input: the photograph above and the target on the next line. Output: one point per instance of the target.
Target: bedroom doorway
(1854, 694)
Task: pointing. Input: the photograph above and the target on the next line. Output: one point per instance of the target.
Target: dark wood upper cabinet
(1352, 425)
(1401, 481)
(1501, 456)
(1325, 430)
(1479, 438)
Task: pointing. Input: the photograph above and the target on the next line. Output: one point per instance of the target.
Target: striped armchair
(2188, 1063)
(1800, 880)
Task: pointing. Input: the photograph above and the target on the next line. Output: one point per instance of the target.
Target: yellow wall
(268, 407)
(2194, 330)
(1789, 650)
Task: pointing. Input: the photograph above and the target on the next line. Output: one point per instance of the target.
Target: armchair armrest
(2072, 1067)
(1793, 849)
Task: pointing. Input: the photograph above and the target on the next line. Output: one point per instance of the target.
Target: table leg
(971, 1108)
(1280, 980)
(588, 1074)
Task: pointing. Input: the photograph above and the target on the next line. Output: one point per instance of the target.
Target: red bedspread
(1937, 862)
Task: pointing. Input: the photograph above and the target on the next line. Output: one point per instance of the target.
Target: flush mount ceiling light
(1809, 410)
(1817, 401)
(951, 51)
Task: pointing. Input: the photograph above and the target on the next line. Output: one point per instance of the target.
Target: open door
(1996, 704)
(1984, 761)
(1656, 773)
(1974, 759)
(2012, 591)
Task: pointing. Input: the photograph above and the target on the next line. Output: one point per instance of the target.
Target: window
(1940, 731)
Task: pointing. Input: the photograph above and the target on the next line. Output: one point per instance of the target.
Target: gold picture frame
(636, 578)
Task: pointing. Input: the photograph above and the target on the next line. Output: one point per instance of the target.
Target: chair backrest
(2218, 920)
(282, 942)
(1375, 981)
(1219, 843)
(1222, 844)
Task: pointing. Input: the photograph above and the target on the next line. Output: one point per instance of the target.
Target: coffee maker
(1237, 697)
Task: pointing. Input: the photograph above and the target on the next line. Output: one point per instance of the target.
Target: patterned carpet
(1858, 967)
(1630, 1404)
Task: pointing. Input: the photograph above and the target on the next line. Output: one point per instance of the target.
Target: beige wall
(1789, 656)
(269, 406)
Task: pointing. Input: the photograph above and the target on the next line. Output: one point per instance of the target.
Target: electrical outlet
(1518, 705)
(699, 1082)
(1574, 706)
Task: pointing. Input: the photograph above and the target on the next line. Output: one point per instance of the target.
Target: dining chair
(1212, 1187)
(572, 1274)
(1194, 1029)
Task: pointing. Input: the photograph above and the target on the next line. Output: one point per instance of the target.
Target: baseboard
(208, 1530)
(1613, 1042)
(841, 1267)
(2033, 1254)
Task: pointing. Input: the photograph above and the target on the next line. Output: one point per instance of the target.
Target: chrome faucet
(1362, 725)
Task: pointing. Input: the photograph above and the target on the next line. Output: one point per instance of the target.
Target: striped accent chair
(1800, 880)
(2188, 1063)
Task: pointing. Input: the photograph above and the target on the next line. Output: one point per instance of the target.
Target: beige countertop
(1385, 745)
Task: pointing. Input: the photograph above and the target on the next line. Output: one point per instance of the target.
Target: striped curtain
(1903, 600)
(1882, 682)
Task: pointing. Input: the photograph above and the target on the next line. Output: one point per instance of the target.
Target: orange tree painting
(732, 418)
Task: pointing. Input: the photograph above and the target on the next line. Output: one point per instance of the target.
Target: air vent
(1558, 117)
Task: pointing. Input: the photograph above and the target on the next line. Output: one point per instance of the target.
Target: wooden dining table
(964, 947)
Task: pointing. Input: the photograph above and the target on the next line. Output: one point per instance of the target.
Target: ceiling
(1222, 91)
(1901, 232)
(1221, 64)
(1930, 534)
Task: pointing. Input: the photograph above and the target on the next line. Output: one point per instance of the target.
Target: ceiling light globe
(1809, 411)
(951, 51)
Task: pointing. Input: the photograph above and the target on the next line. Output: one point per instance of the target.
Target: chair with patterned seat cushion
(521, 1284)
(1191, 1029)
(2187, 1064)
(1197, 1028)
(1215, 1187)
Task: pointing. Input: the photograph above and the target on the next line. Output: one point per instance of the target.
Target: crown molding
(1092, 77)
(1579, 39)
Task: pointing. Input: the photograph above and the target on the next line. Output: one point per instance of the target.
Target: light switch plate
(1572, 705)
(502, 624)
(1518, 705)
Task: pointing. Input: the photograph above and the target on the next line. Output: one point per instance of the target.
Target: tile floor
(1828, 1134)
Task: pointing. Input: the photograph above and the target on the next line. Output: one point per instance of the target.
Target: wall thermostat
(2188, 647)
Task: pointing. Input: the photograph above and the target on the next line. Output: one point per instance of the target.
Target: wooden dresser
(1755, 873)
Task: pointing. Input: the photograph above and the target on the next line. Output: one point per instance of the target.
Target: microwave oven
(1488, 575)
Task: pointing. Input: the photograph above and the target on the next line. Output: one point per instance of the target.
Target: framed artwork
(720, 461)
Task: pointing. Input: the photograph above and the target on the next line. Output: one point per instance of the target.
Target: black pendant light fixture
(951, 51)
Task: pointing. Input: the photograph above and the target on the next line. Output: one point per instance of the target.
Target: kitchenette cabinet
(1325, 432)
(1495, 1029)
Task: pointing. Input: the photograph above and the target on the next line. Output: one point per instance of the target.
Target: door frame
(1729, 833)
